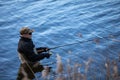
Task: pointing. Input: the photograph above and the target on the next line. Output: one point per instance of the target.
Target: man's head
(26, 32)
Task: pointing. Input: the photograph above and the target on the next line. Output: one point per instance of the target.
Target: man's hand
(46, 49)
(48, 55)
(42, 49)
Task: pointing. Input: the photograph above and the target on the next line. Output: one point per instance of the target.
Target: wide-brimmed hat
(25, 30)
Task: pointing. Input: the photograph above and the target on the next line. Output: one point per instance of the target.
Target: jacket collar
(26, 39)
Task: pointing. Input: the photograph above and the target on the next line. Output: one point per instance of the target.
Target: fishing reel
(49, 52)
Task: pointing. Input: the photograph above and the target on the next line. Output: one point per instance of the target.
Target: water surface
(59, 22)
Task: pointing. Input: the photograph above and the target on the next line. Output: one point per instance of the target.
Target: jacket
(26, 48)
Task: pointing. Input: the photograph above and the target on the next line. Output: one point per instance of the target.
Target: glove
(46, 49)
(42, 49)
(48, 55)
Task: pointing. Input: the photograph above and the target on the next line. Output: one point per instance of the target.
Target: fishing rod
(70, 44)
(105, 37)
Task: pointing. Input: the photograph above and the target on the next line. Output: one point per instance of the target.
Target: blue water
(59, 22)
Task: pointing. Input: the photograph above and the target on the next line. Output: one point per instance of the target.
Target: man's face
(28, 35)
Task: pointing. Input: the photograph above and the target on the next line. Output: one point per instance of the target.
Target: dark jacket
(26, 47)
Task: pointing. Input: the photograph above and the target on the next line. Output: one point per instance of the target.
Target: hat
(25, 30)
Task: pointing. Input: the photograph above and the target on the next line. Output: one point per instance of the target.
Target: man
(27, 49)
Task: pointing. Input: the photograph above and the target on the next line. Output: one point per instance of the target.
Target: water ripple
(57, 23)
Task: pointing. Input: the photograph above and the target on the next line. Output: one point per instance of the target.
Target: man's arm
(34, 57)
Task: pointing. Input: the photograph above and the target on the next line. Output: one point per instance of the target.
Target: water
(58, 22)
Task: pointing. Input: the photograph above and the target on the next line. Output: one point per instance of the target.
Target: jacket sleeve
(40, 57)
(29, 52)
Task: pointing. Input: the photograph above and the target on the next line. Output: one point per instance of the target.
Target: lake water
(59, 22)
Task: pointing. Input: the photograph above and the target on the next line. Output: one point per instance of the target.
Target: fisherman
(27, 49)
